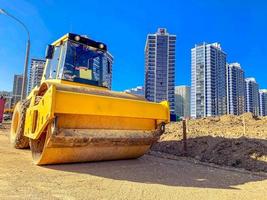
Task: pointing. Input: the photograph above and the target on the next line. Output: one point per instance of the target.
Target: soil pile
(238, 141)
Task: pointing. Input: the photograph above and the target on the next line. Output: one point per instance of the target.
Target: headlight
(77, 38)
(101, 46)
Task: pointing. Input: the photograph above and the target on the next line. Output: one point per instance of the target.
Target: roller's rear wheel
(17, 138)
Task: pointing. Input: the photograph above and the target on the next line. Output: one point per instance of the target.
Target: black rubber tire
(17, 138)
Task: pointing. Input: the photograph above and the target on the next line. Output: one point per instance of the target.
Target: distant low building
(182, 101)
(139, 90)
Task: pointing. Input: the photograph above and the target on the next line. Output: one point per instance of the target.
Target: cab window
(83, 64)
(52, 65)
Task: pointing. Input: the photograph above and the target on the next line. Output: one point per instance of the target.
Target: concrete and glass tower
(36, 72)
(160, 67)
(182, 101)
(107, 72)
(263, 102)
(235, 89)
(252, 96)
(17, 88)
(208, 79)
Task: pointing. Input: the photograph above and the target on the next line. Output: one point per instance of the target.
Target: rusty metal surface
(98, 137)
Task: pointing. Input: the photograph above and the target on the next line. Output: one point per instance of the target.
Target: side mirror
(49, 51)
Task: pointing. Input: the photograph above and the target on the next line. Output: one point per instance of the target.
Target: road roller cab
(77, 59)
(74, 117)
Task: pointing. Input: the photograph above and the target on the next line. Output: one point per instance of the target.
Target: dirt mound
(247, 116)
(242, 152)
(238, 141)
(230, 119)
(264, 119)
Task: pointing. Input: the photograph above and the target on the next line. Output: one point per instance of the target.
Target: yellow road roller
(74, 117)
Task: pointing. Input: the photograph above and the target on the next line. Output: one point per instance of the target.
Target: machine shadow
(155, 170)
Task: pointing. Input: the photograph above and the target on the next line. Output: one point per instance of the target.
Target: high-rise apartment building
(208, 79)
(160, 67)
(182, 101)
(252, 96)
(263, 102)
(107, 72)
(235, 89)
(36, 72)
(139, 90)
(17, 88)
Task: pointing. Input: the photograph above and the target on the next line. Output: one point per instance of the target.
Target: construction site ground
(153, 176)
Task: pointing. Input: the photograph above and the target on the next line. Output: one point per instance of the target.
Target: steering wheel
(70, 65)
(80, 67)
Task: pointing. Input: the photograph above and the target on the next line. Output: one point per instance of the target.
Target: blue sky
(240, 27)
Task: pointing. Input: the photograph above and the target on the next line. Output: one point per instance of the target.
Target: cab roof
(80, 39)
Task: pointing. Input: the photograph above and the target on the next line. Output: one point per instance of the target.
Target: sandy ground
(149, 177)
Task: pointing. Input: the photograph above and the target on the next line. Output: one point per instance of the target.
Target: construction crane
(73, 117)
